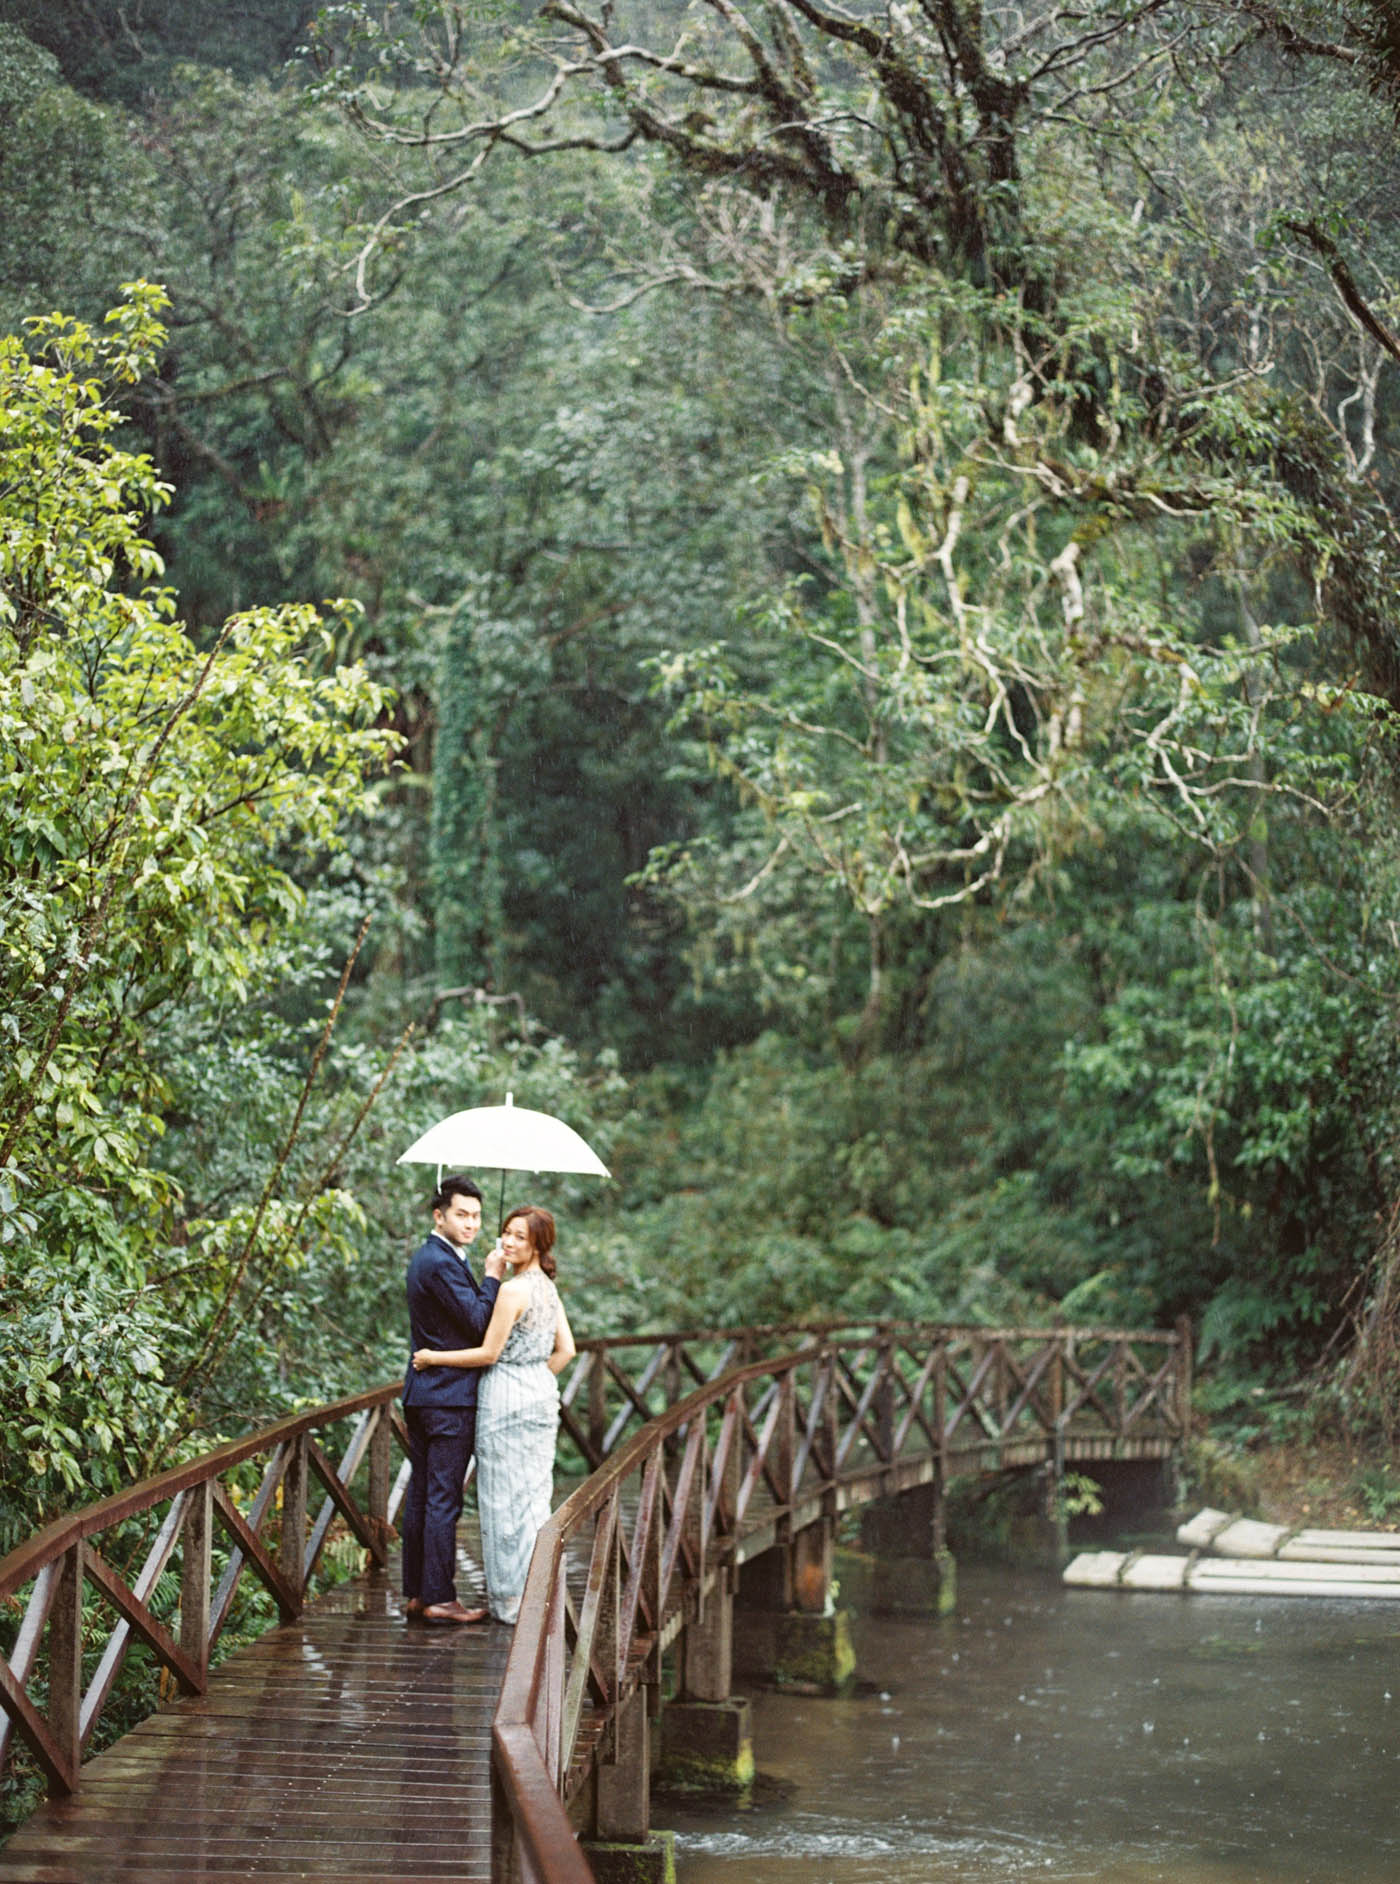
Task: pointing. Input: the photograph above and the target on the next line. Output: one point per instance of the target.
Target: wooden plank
(332, 1747)
(323, 1754)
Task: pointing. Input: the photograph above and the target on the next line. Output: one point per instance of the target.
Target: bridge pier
(790, 1631)
(1038, 1527)
(910, 1570)
(622, 1847)
(706, 1735)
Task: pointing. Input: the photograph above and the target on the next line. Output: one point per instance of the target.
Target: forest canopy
(863, 674)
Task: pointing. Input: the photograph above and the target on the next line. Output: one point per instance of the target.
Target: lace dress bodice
(533, 1335)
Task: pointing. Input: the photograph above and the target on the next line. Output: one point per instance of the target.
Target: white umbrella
(508, 1137)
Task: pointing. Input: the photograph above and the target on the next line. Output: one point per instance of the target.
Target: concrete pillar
(649, 1860)
(706, 1746)
(622, 1810)
(706, 1658)
(814, 1653)
(623, 1848)
(1038, 1534)
(706, 1737)
(812, 1556)
(911, 1570)
(788, 1630)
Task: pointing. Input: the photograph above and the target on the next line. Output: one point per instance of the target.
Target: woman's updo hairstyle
(539, 1226)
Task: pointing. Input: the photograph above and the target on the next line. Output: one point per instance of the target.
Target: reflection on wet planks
(344, 1745)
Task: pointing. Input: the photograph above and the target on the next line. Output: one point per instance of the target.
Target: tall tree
(157, 791)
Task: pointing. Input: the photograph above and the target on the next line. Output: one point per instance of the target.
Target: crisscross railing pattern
(758, 1450)
(899, 1384)
(247, 1508)
(703, 1448)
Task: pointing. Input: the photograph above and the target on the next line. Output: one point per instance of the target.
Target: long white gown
(517, 1420)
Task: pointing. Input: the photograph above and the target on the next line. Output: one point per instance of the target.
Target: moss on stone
(649, 1860)
(815, 1655)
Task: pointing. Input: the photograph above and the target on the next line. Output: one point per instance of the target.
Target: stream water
(1079, 1735)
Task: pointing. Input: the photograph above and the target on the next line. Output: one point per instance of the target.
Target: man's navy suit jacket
(447, 1308)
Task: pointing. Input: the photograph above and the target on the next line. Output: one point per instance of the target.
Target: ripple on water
(976, 1754)
(827, 1842)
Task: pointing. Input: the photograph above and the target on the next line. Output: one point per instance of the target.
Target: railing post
(672, 1387)
(830, 1421)
(1120, 1385)
(597, 1403)
(1183, 1375)
(726, 1487)
(607, 1636)
(292, 1552)
(784, 1453)
(381, 1462)
(506, 1867)
(66, 1665)
(944, 1562)
(651, 1547)
(940, 1409)
(884, 1400)
(551, 1740)
(195, 1570)
(999, 1390)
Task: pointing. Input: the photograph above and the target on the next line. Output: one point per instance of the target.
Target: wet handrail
(62, 1556)
(846, 1403)
(571, 1660)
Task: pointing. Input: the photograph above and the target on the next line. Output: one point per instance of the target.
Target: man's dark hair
(451, 1187)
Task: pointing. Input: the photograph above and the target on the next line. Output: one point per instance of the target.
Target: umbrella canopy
(509, 1137)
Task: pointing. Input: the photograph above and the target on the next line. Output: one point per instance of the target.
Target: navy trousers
(440, 1441)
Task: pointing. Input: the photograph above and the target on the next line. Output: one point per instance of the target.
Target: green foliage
(1376, 1488)
(914, 702)
(1080, 1496)
(157, 796)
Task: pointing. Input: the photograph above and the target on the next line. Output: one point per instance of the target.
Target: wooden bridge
(344, 1743)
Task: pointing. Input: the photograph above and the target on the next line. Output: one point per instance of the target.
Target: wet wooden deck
(346, 1745)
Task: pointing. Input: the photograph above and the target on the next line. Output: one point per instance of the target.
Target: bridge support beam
(1038, 1532)
(789, 1630)
(706, 1737)
(912, 1572)
(649, 1860)
(623, 1848)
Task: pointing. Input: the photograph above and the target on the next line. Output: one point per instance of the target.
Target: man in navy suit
(446, 1309)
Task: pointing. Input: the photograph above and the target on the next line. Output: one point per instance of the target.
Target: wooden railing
(123, 1546)
(702, 1447)
(760, 1449)
(984, 1390)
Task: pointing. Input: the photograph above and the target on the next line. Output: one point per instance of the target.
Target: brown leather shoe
(450, 1612)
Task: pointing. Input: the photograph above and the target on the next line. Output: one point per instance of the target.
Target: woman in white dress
(527, 1342)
